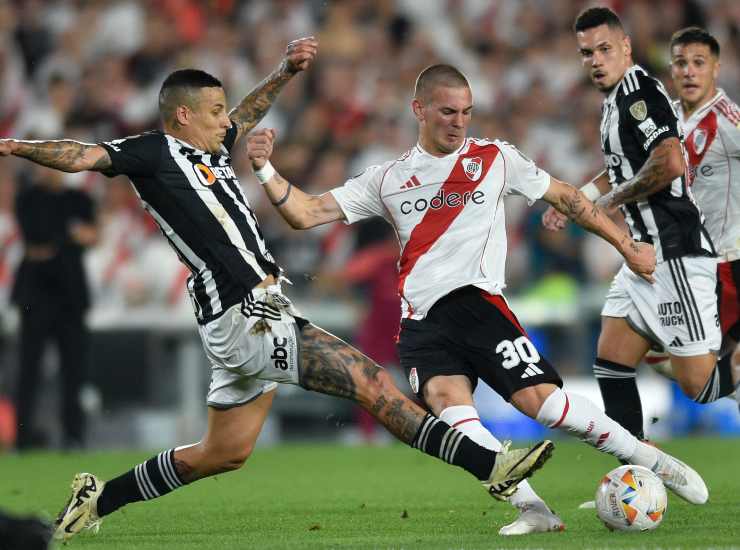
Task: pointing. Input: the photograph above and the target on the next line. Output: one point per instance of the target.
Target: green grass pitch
(297, 496)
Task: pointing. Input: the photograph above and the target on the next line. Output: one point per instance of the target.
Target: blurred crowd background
(91, 70)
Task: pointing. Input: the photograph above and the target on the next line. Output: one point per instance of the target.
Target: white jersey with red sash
(448, 214)
(713, 147)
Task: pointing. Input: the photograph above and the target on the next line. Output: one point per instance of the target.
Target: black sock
(438, 439)
(719, 383)
(151, 479)
(619, 391)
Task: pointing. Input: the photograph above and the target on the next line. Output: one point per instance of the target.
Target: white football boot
(533, 518)
(681, 478)
(81, 511)
(513, 466)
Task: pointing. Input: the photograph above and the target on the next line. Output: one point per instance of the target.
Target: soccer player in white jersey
(252, 335)
(444, 199)
(711, 125)
(646, 177)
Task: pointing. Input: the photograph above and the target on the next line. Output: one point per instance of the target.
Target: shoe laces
(670, 470)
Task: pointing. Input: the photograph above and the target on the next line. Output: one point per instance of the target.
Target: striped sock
(151, 479)
(719, 383)
(438, 439)
(618, 384)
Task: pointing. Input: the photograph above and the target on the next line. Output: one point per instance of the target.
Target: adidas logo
(531, 370)
(410, 184)
(676, 343)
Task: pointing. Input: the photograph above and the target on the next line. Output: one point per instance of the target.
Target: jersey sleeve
(648, 113)
(135, 155)
(523, 176)
(731, 136)
(359, 197)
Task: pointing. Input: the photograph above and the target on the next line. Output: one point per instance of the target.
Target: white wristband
(265, 173)
(591, 191)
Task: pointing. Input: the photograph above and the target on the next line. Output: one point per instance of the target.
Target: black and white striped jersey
(636, 116)
(198, 203)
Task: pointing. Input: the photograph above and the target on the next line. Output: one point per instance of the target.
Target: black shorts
(473, 333)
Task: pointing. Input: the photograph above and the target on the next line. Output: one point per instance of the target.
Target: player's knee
(529, 400)
(439, 397)
(692, 386)
(735, 359)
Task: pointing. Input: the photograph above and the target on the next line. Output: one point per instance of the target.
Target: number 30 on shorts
(517, 351)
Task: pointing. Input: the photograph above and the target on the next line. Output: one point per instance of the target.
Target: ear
(182, 115)
(627, 45)
(418, 108)
(715, 71)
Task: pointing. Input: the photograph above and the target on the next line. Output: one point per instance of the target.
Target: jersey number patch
(517, 351)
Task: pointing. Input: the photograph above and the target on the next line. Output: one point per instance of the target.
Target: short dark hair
(179, 88)
(438, 75)
(695, 35)
(594, 17)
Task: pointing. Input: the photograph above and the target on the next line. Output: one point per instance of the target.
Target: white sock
(578, 416)
(465, 418)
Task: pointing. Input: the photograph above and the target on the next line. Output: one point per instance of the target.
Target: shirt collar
(422, 151)
(701, 111)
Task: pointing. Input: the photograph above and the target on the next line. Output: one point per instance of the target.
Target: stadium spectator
(51, 291)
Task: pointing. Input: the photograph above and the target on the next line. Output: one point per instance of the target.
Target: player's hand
(7, 147)
(640, 258)
(554, 220)
(300, 54)
(259, 146)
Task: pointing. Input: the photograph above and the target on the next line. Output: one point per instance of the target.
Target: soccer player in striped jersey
(444, 199)
(252, 335)
(646, 177)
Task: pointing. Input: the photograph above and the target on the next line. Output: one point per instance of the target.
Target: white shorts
(677, 312)
(251, 347)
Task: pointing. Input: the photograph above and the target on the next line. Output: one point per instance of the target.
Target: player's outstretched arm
(571, 202)
(65, 155)
(301, 210)
(298, 57)
(665, 163)
(554, 220)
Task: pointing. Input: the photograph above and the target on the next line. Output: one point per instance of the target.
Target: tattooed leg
(331, 366)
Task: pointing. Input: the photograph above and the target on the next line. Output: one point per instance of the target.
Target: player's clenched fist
(259, 147)
(300, 54)
(554, 220)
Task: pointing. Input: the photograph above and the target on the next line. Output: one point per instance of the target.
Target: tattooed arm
(665, 163)
(571, 202)
(554, 220)
(298, 57)
(64, 155)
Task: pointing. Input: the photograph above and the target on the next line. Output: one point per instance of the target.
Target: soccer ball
(631, 498)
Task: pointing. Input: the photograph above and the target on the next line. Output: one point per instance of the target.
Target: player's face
(694, 71)
(209, 121)
(606, 54)
(444, 118)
